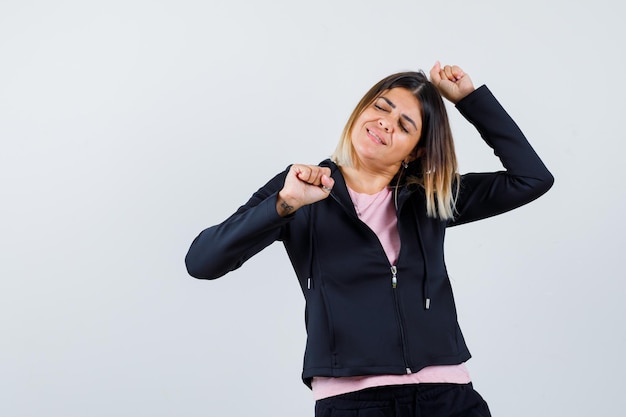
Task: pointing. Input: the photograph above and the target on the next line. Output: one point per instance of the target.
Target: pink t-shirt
(378, 212)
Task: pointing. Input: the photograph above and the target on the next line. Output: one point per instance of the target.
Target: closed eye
(377, 107)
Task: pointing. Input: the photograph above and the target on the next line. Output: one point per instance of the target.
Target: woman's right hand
(305, 184)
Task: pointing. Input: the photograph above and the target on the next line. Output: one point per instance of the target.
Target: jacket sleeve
(226, 246)
(525, 178)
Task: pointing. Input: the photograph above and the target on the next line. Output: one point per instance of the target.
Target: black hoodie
(363, 315)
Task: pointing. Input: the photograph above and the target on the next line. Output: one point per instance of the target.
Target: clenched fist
(304, 184)
(451, 81)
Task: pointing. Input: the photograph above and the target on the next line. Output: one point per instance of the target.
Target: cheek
(411, 143)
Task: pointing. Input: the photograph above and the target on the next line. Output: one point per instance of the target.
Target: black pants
(415, 400)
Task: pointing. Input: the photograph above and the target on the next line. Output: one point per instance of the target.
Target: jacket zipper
(394, 285)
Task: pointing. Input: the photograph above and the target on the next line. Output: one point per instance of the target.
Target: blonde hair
(435, 166)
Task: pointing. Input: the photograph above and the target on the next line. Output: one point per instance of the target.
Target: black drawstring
(426, 288)
(309, 283)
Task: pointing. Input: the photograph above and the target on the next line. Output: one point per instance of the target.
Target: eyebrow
(404, 116)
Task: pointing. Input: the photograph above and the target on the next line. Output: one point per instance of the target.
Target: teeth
(376, 136)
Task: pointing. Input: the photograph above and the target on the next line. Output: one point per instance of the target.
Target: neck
(363, 180)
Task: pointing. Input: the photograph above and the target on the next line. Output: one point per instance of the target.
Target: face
(387, 131)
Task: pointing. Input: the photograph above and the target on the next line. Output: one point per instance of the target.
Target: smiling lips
(375, 137)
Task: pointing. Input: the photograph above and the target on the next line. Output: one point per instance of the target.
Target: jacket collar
(340, 190)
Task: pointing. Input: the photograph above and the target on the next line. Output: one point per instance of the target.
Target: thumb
(327, 182)
(435, 78)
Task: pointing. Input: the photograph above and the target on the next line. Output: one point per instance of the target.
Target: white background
(129, 126)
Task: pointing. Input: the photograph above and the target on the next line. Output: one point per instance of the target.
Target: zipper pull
(394, 278)
(308, 283)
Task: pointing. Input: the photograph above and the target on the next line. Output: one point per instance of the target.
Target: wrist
(285, 205)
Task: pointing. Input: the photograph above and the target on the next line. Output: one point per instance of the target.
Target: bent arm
(225, 247)
(525, 177)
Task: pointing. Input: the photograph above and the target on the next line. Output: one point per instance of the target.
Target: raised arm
(525, 177)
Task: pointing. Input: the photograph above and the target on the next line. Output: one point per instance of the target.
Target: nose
(385, 124)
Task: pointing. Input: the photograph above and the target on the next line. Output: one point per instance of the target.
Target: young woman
(364, 232)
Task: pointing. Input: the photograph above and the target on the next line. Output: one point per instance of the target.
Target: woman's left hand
(451, 81)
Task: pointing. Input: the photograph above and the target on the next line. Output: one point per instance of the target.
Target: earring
(405, 164)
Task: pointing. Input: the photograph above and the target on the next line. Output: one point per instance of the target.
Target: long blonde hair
(435, 166)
